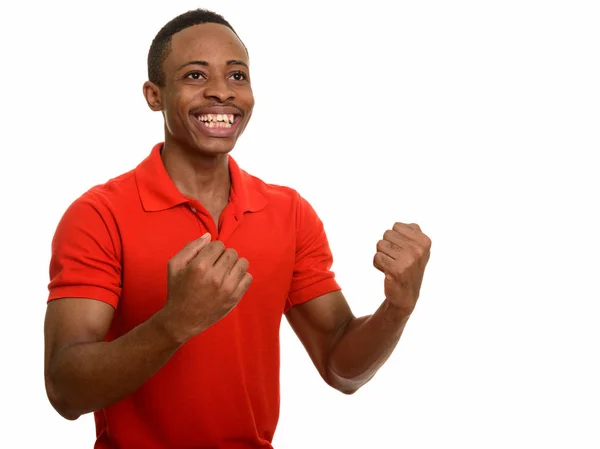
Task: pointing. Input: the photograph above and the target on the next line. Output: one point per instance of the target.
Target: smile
(216, 120)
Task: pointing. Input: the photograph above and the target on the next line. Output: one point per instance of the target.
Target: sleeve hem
(84, 291)
(311, 292)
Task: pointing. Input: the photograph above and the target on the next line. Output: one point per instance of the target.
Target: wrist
(397, 312)
(166, 325)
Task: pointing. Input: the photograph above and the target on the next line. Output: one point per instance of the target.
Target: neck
(197, 176)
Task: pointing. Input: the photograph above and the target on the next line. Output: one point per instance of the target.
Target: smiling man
(168, 284)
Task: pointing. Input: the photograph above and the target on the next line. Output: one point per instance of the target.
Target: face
(207, 99)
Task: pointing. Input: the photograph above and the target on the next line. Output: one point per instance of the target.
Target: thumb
(189, 251)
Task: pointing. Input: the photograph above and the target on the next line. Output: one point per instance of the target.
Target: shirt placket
(228, 220)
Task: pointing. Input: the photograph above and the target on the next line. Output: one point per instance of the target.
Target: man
(168, 283)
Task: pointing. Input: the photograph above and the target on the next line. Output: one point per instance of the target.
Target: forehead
(209, 42)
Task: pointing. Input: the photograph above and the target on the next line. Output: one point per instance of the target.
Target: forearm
(85, 377)
(365, 345)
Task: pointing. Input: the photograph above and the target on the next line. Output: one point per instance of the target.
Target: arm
(82, 372)
(348, 351)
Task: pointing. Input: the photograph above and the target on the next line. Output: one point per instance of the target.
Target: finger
(407, 230)
(210, 254)
(397, 246)
(189, 251)
(242, 287)
(235, 275)
(402, 249)
(414, 226)
(390, 249)
(226, 261)
(382, 262)
(400, 240)
(413, 232)
(237, 272)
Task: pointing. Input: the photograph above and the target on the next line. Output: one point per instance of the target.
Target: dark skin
(206, 280)
(207, 67)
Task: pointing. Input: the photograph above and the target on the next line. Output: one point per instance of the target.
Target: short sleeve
(85, 259)
(312, 275)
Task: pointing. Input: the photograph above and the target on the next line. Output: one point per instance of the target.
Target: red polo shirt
(221, 389)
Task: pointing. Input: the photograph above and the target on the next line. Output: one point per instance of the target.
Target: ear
(153, 96)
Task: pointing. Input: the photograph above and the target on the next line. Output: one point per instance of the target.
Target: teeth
(226, 119)
(217, 124)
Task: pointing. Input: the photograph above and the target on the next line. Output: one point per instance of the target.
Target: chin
(215, 148)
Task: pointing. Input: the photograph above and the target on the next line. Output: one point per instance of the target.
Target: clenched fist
(402, 256)
(205, 281)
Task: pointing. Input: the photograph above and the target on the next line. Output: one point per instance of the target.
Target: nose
(218, 89)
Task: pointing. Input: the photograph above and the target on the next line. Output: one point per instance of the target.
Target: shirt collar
(158, 192)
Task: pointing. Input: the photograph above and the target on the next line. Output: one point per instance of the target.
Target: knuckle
(245, 284)
(394, 247)
(233, 300)
(419, 252)
(198, 266)
(378, 261)
(228, 289)
(232, 253)
(214, 279)
(427, 241)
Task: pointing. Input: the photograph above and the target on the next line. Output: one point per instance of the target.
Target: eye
(195, 75)
(239, 76)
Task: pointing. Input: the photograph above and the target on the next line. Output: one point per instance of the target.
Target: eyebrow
(204, 63)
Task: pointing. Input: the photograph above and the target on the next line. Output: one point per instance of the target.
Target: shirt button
(193, 209)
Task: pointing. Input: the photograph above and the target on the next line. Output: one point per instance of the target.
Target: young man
(168, 283)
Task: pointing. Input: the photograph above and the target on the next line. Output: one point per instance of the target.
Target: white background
(479, 120)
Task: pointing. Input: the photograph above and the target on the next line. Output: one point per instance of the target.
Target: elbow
(63, 408)
(59, 402)
(343, 385)
(67, 415)
(347, 387)
(347, 390)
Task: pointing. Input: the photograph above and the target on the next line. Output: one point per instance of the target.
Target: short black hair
(161, 45)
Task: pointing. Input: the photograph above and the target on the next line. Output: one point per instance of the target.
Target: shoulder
(109, 195)
(113, 191)
(275, 194)
(286, 201)
(271, 189)
(98, 207)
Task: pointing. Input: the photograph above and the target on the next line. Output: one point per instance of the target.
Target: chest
(265, 241)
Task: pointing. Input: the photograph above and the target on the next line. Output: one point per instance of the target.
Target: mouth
(217, 120)
(217, 125)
